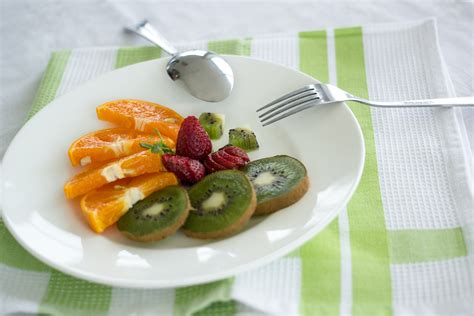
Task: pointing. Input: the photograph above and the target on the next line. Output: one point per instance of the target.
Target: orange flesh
(142, 116)
(130, 166)
(109, 144)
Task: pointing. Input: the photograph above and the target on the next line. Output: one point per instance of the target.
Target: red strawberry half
(186, 169)
(193, 141)
(228, 157)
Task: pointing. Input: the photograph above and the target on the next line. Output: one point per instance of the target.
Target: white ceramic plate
(328, 140)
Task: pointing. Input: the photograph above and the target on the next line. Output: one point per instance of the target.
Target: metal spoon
(206, 75)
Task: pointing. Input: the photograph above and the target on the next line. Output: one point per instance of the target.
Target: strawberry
(226, 163)
(186, 169)
(234, 159)
(212, 166)
(193, 141)
(236, 151)
(228, 157)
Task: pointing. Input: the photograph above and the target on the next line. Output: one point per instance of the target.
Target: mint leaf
(145, 145)
(159, 147)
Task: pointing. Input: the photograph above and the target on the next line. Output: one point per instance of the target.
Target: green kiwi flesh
(244, 138)
(213, 124)
(222, 203)
(278, 181)
(157, 216)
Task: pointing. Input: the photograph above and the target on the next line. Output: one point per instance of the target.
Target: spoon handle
(147, 31)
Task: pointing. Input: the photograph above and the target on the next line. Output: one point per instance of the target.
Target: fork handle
(444, 102)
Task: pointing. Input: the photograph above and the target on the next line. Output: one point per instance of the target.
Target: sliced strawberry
(228, 157)
(236, 151)
(226, 163)
(239, 162)
(186, 169)
(209, 167)
(212, 166)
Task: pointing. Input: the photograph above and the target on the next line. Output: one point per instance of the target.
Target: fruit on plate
(222, 204)
(109, 144)
(279, 181)
(193, 141)
(244, 138)
(132, 174)
(104, 206)
(130, 166)
(187, 170)
(157, 216)
(142, 116)
(213, 123)
(228, 157)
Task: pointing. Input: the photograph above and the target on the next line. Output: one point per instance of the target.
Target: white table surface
(32, 29)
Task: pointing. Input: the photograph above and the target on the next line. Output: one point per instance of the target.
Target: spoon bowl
(206, 75)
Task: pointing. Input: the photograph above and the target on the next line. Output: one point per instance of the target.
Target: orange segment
(130, 166)
(142, 116)
(104, 206)
(109, 144)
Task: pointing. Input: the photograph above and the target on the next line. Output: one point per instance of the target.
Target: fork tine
(286, 96)
(288, 107)
(298, 109)
(289, 101)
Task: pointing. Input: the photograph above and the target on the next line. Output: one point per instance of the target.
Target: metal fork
(321, 94)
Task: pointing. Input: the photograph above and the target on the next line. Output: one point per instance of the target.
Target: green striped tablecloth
(402, 246)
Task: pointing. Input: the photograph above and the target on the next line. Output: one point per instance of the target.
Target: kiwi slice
(156, 217)
(244, 138)
(279, 181)
(213, 123)
(222, 204)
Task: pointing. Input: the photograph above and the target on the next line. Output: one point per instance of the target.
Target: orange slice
(130, 166)
(109, 144)
(142, 116)
(104, 206)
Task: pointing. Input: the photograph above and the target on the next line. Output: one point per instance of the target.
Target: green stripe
(411, 245)
(14, 255)
(321, 256)
(50, 81)
(219, 309)
(66, 295)
(231, 47)
(132, 55)
(372, 291)
(191, 299)
(321, 273)
(314, 54)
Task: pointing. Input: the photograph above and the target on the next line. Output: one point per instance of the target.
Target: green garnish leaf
(159, 147)
(145, 145)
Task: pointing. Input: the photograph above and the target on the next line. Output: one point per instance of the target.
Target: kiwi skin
(284, 200)
(232, 229)
(163, 233)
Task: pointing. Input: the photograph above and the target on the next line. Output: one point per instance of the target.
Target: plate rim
(209, 277)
